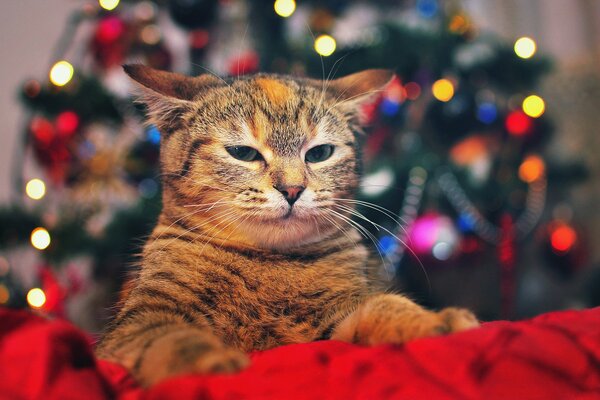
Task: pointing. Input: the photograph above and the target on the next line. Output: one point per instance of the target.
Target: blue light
(387, 245)
(427, 8)
(487, 113)
(466, 223)
(153, 135)
(389, 107)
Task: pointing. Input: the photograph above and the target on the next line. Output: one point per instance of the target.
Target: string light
(40, 238)
(525, 47)
(61, 73)
(109, 5)
(532, 169)
(35, 189)
(443, 90)
(36, 297)
(325, 45)
(413, 90)
(534, 106)
(284, 8)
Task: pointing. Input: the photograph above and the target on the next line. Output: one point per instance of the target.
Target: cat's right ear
(167, 95)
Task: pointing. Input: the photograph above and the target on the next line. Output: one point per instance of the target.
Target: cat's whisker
(362, 229)
(397, 219)
(335, 224)
(210, 71)
(402, 242)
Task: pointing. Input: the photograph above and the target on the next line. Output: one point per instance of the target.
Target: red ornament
(109, 44)
(42, 130)
(109, 30)
(518, 123)
(67, 123)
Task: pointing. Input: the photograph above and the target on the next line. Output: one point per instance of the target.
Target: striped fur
(231, 266)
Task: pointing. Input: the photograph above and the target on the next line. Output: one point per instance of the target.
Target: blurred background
(484, 148)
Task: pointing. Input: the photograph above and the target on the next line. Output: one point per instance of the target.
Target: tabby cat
(254, 248)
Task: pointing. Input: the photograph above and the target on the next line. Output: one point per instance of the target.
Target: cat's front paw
(187, 354)
(409, 326)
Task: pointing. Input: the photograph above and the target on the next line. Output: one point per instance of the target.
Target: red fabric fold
(553, 356)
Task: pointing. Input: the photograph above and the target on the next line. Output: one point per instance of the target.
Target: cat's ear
(167, 95)
(360, 87)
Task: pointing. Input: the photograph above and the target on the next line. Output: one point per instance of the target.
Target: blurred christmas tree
(453, 149)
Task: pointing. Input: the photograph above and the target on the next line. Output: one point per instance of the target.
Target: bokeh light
(4, 294)
(534, 106)
(61, 73)
(36, 297)
(40, 238)
(284, 8)
(109, 4)
(518, 123)
(413, 90)
(35, 189)
(563, 238)
(525, 47)
(443, 90)
(325, 45)
(532, 169)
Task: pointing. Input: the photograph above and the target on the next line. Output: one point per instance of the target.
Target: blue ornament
(153, 135)
(389, 107)
(487, 113)
(387, 244)
(427, 8)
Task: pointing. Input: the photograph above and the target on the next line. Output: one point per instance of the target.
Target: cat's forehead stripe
(277, 92)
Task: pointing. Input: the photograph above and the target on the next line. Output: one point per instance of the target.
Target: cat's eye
(319, 153)
(244, 153)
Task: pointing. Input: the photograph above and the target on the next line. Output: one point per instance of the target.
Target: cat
(253, 248)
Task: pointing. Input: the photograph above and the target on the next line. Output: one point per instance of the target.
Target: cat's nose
(291, 193)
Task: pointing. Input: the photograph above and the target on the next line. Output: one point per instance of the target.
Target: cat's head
(262, 159)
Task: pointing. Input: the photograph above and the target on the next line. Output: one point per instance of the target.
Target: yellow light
(109, 4)
(532, 169)
(443, 90)
(40, 238)
(35, 188)
(36, 297)
(4, 294)
(61, 73)
(534, 106)
(325, 45)
(525, 47)
(284, 8)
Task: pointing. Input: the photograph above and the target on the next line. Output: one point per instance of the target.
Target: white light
(442, 251)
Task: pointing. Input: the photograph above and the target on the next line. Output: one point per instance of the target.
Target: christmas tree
(457, 196)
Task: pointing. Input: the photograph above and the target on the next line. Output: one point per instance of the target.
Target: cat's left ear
(353, 90)
(167, 95)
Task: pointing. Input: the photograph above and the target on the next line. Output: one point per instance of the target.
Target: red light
(563, 238)
(518, 123)
(67, 123)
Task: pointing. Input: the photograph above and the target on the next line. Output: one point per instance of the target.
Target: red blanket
(554, 356)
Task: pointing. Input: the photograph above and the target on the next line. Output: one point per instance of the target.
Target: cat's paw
(187, 354)
(411, 326)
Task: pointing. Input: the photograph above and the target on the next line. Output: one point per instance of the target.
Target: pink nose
(291, 193)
